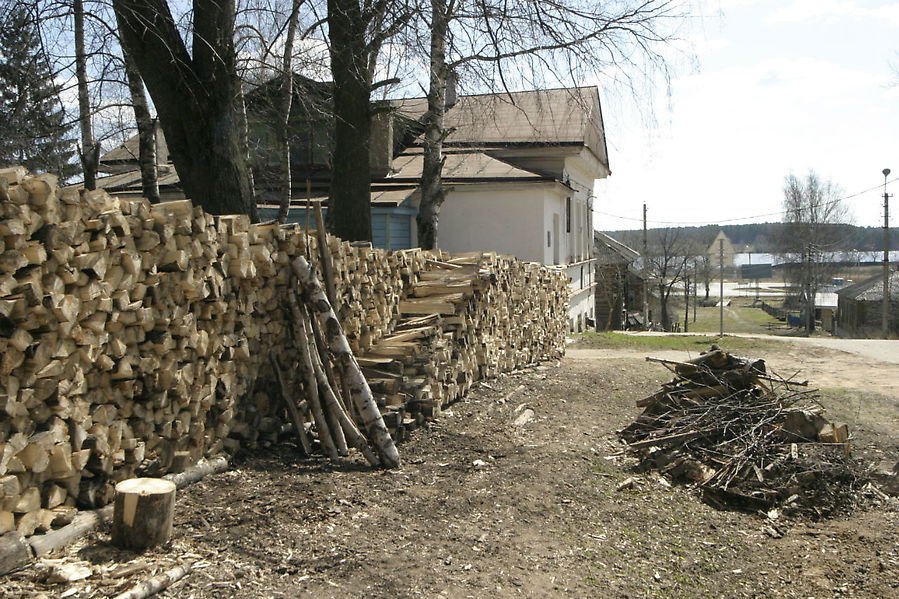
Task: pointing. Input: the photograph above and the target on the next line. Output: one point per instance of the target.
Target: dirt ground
(483, 507)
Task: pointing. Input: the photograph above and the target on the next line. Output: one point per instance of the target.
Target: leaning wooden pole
(359, 391)
(325, 255)
(318, 415)
(310, 355)
(329, 398)
(295, 415)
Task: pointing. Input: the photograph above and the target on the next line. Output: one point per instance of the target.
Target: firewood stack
(468, 317)
(745, 437)
(137, 338)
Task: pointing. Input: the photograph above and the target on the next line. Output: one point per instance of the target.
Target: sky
(760, 90)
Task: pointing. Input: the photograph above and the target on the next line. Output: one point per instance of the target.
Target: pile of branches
(748, 439)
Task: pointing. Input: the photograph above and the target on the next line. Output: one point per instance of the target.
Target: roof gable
(568, 116)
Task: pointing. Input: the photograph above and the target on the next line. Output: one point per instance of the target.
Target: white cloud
(833, 11)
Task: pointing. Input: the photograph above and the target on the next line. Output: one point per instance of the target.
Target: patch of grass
(737, 319)
(691, 343)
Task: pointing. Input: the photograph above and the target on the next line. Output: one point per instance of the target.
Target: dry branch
(151, 586)
(718, 425)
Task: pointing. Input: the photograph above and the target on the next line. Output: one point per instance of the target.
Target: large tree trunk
(146, 131)
(197, 97)
(283, 128)
(349, 204)
(90, 149)
(432, 191)
(663, 304)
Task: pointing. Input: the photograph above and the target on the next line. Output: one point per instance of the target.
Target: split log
(144, 512)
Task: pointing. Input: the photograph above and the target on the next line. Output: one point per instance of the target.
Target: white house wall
(581, 172)
(486, 217)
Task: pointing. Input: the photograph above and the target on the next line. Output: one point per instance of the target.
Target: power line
(734, 220)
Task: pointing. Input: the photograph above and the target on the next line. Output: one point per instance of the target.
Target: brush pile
(747, 438)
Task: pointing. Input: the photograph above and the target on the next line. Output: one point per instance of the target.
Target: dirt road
(485, 507)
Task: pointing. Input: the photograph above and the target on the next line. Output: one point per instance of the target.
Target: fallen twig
(151, 586)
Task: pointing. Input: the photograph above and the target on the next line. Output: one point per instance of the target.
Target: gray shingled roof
(612, 251)
(462, 166)
(871, 290)
(569, 116)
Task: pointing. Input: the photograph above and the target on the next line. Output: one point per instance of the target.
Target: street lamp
(886, 257)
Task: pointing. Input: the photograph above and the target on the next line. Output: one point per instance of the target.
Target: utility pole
(645, 273)
(886, 257)
(721, 286)
(686, 302)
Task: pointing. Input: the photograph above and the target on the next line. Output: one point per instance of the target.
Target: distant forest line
(761, 237)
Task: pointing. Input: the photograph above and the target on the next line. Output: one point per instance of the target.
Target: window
(568, 215)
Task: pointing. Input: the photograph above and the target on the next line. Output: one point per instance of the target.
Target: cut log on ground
(144, 513)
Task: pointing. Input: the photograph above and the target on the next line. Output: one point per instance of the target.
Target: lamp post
(886, 257)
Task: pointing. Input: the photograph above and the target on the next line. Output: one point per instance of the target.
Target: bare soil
(483, 507)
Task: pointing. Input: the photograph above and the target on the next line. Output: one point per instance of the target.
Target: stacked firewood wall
(468, 317)
(137, 338)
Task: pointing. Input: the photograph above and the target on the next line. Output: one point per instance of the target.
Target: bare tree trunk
(244, 142)
(283, 129)
(90, 149)
(432, 191)
(663, 305)
(197, 96)
(349, 204)
(146, 131)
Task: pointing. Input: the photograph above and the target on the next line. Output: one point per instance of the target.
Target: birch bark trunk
(350, 372)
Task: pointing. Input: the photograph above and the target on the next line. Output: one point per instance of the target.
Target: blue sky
(762, 89)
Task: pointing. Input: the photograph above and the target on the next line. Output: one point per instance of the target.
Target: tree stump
(144, 512)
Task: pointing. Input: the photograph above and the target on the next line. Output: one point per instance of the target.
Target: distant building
(619, 287)
(860, 308)
(714, 251)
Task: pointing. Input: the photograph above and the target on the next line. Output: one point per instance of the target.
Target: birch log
(351, 432)
(334, 427)
(360, 393)
(318, 416)
(151, 586)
